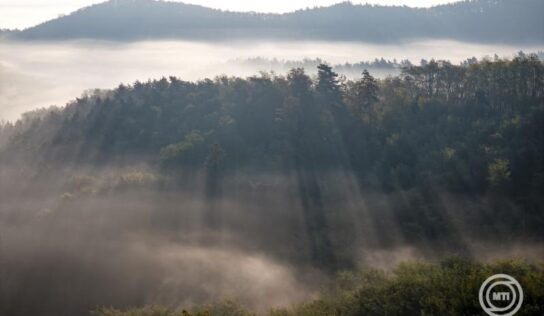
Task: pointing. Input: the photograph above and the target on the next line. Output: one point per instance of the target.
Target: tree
(299, 83)
(327, 85)
(364, 97)
(499, 172)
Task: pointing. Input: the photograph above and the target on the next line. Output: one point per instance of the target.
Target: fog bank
(34, 75)
(75, 239)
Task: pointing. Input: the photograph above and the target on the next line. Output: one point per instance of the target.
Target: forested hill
(442, 144)
(502, 21)
(470, 128)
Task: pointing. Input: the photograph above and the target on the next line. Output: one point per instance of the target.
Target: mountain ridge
(500, 21)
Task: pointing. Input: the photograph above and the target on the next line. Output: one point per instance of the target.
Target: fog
(34, 75)
(75, 238)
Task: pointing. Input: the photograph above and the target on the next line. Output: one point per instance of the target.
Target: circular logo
(501, 295)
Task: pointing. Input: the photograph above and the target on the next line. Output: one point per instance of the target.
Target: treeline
(468, 128)
(446, 288)
(378, 63)
(378, 67)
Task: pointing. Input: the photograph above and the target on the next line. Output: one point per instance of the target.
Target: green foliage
(448, 288)
(364, 97)
(137, 179)
(499, 172)
(224, 308)
(80, 186)
(146, 311)
(183, 150)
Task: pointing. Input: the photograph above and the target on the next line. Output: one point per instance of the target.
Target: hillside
(345, 160)
(493, 21)
(471, 130)
(168, 191)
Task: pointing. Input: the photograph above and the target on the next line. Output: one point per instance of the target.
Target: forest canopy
(471, 128)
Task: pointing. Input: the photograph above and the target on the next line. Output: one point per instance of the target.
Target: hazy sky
(25, 13)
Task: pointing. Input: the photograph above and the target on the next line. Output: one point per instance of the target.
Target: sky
(25, 13)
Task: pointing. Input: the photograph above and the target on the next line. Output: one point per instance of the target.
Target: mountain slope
(169, 191)
(504, 21)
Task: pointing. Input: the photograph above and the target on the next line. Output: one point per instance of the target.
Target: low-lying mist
(34, 75)
(77, 238)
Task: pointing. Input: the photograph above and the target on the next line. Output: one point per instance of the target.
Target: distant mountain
(7, 32)
(499, 21)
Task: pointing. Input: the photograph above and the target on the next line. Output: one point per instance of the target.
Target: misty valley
(319, 162)
(42, 74)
